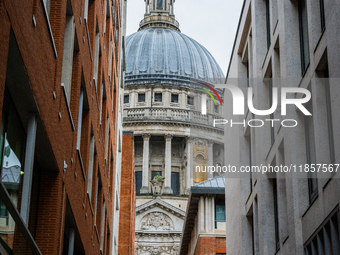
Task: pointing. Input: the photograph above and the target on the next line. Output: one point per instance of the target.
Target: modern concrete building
(297, 44)
(61, 126)
(204, 226)
(165, 71)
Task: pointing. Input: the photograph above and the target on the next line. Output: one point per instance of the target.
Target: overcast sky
(212, 23)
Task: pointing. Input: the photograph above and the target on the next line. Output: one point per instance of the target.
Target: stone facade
(162, 106)
(298, 213)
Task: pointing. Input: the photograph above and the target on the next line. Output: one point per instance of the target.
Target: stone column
(148, 97)
(145, 182)
(210, 157)
(208, 214)
(189, 170)
(133, 98)
(167, 180)
(201, 215)
(183, 99)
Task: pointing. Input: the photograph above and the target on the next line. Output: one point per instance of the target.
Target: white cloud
(211, 23)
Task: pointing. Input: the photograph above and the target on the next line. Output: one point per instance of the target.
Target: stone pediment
(164, 206)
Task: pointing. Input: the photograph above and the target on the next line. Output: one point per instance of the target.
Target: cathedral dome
(163, 55)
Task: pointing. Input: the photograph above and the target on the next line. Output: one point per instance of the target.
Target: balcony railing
(170, 114)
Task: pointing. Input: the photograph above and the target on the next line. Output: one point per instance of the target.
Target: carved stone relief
(156, 221)
(200, 150)
(156, 250)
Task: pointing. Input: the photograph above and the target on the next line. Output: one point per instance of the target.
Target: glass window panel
(160, 4)
(190, 100)
(158, 97)
(268, 23)
(126, 99)
(304, 41)
(174, 98)
(175, 183)
(13, 149)
(138, 176)
(141, 98)
(220, 210)
(310, 150)
(322, 14)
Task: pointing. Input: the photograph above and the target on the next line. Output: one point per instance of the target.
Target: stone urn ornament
(157, 184)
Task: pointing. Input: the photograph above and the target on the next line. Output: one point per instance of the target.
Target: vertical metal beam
(28, 168)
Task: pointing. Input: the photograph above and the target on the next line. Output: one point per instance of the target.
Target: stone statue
(157, 184)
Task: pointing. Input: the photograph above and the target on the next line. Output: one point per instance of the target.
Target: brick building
(127, 219)
(60, 85)
(204, 226)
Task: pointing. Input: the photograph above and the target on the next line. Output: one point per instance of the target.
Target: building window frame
(141, 97)
(268, 23)
(304, 35)
(126, 99)
(190, 100)
(310, 153)
(322, 15)
(174, 98)
(221, 203)
(158, 97)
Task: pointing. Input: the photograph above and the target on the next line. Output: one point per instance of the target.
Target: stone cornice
(173, 124)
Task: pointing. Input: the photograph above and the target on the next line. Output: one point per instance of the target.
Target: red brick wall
(210, 245)
(127, 217)
(44, 71)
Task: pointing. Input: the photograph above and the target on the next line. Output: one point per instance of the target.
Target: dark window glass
(190, 100)
(160, 4)
(138, 177)
(304, 41)
(329, 116)
(268, 23)
(219, 211)
(3, 210)
(216, 108)
(310, 151)
(126, 99)
(158, 97)
(12, 146)
(322, 15)
(141, 98)
(175, 183)
(174, 98)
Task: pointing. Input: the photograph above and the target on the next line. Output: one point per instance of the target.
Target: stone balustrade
(169, 114)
